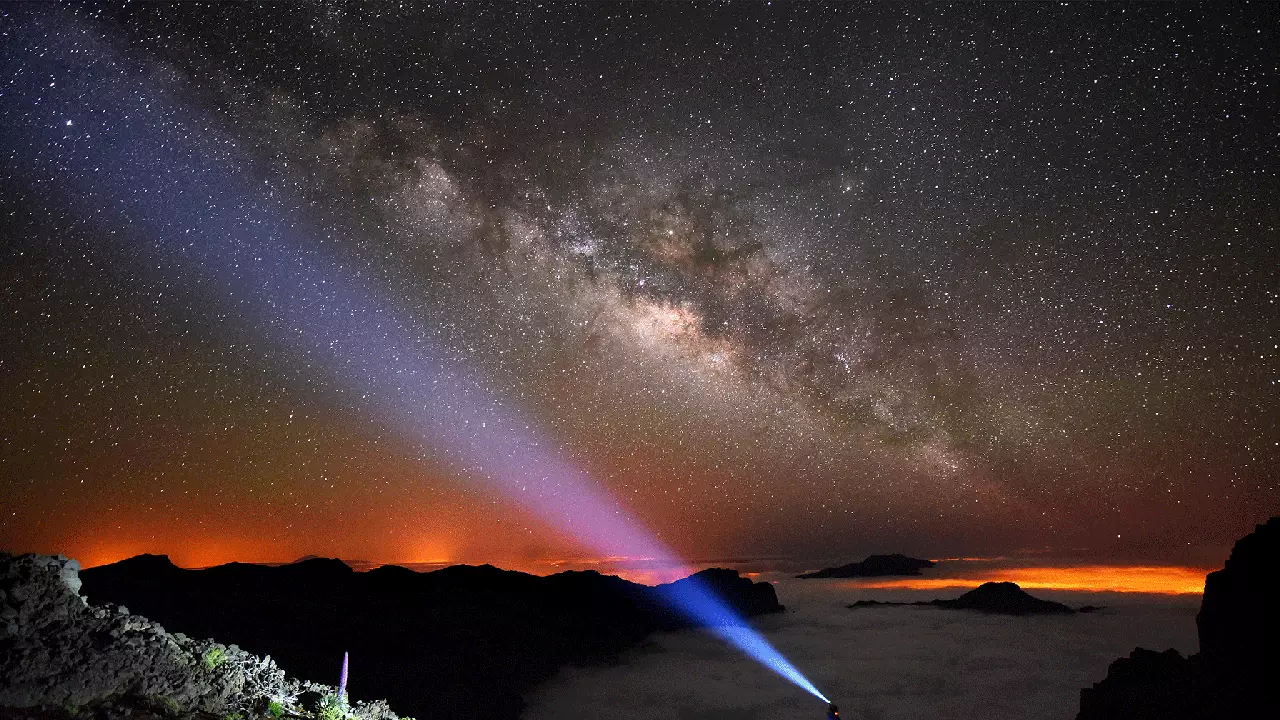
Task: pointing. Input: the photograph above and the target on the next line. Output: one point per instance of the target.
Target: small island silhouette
(1004, 598)
(873, 566)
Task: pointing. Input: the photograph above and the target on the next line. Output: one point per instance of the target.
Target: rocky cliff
(1235, 674)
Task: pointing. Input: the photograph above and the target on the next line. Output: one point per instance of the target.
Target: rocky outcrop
(745, 597)
(58, 651)
(461, 642)
(1003, 598)
(873, 566)
(1150, 685)
(1235, 674)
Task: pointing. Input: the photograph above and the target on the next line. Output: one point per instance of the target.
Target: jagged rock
(873, 566)
(1149, 685)
(62, 654)
(1235, 674)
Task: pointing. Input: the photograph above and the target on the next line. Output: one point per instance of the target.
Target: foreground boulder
(462, 642)
(1235, 674)
(62, 655)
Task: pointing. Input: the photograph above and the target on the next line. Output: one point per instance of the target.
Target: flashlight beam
(148, 169)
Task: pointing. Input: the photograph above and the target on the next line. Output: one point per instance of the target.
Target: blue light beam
(85, 123)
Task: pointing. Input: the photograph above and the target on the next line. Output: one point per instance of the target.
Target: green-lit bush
(333, 707)
(214, 657)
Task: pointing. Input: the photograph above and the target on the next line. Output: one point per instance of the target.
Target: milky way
(792, 281)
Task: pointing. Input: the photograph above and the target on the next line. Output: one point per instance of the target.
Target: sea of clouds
(895, 663)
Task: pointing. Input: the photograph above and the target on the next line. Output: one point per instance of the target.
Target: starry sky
(794, 282)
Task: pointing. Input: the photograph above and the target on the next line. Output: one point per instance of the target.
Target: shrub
(214, 657)
(332, 707)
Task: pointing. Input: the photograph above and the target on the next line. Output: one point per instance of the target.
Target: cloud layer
(899, 663)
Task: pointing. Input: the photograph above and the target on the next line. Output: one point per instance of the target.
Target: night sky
(792, 282)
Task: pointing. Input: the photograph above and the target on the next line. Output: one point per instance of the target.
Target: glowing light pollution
(173, 192)
(1090, 578)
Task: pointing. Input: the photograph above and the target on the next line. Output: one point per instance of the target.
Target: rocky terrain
(462, 642)
(873, 566)
(1004, 598)
(1236, 674)
(61, 657)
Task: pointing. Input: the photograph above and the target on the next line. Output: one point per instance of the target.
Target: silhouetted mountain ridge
(459, 642)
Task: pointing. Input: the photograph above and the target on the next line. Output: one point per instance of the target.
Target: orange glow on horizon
(432, 553)
(1158, 580)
